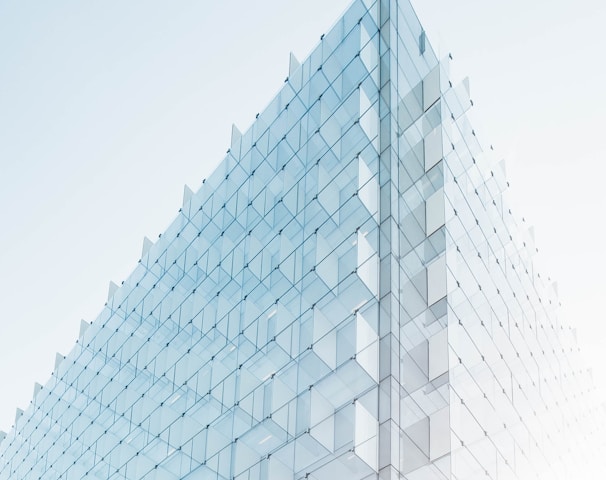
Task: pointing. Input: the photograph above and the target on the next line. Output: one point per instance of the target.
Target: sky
(108, 108)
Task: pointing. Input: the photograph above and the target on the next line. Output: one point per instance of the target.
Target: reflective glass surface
(347, 296)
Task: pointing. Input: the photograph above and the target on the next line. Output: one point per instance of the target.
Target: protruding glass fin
(83, 327)
(37, 388)
(236, 134)
(465, 83)
(112, 289)
(293, 64)
(147, 244)
(58, 359)
(187, 194)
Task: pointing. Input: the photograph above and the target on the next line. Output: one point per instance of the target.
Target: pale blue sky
(108, 108)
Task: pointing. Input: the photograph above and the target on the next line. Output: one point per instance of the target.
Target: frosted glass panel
(433, 148)
(436, 280)
(431, 88)
(438, 354)
(439, 434)
(434, 213)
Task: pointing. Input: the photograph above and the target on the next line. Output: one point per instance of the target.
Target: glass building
(346, 297)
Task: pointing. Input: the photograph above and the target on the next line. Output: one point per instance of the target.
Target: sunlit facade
(346, 297)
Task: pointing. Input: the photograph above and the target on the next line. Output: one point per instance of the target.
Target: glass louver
(347, 296)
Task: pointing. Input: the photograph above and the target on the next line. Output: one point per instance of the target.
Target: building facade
(347, 296)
